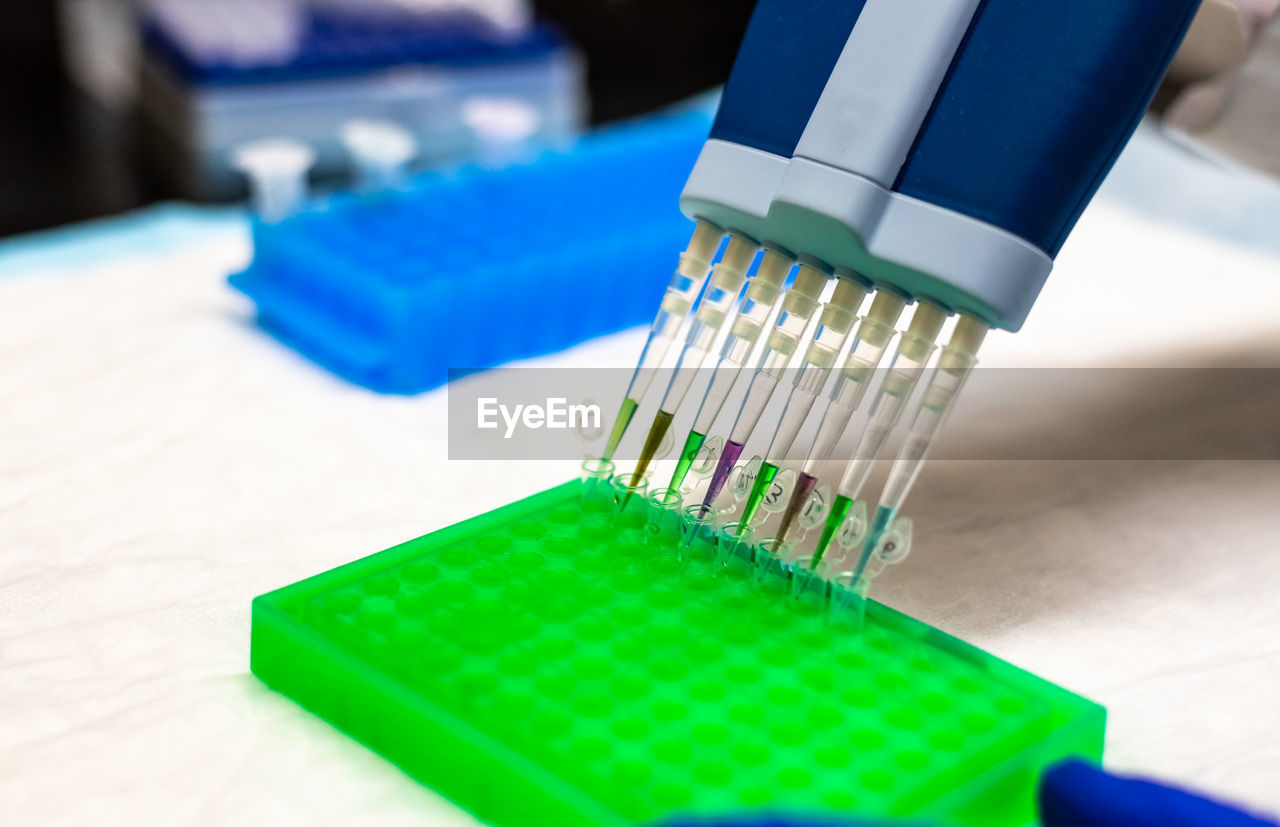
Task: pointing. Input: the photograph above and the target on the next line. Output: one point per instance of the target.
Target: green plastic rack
(554, 664)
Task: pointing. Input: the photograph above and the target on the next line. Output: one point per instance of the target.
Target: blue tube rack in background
(469, 269)
(332, 43)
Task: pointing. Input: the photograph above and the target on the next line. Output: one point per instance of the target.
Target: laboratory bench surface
(166, 462)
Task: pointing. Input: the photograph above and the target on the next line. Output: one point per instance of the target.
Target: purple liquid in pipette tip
(728, 459)
(799, 498)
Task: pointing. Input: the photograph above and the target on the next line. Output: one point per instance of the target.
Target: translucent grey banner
(510, 414)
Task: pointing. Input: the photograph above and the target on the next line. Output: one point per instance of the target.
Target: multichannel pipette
(874, 332)
(677, 304)
(784, 340)
(954, 365)
(943, 150)
(899, 383)
(713, 311)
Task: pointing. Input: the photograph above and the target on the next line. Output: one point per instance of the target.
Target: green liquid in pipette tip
(625, 413)
(658, 430)
(692, 445)
(763, 480)
(839, 510)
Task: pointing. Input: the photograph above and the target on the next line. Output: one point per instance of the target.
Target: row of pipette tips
(693, 533)
(710, 295)
(850, 534)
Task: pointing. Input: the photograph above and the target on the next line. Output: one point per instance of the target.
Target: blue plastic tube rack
(469, 269)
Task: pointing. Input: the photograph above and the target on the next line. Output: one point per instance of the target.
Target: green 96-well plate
(542, 666)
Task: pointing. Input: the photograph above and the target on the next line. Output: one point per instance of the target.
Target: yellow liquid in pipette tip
(625, 412)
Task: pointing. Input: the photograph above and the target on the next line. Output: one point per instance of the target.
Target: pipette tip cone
(879, 527)
(728, 458)
(625, 412)
(824, 542)
(658, 430)
(758, 490)
(688, 453)
(804, 487)
(839, 509)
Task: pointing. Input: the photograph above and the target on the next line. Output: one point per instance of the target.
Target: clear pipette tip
(938, 400)
(677, 304)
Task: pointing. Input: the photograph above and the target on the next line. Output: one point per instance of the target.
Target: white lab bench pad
(165, 462)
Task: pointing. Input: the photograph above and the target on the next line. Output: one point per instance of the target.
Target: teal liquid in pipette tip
(880, 525)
